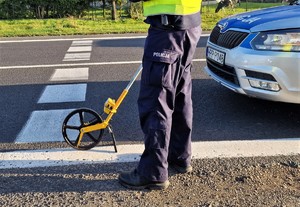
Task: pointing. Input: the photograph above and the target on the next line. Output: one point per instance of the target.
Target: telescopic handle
(135, 75)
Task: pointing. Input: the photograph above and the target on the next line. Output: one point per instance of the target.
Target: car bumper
(284, 67)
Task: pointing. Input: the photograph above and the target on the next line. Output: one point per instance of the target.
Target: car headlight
(283, 40)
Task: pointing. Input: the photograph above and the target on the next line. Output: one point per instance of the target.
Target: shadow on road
(219, 114)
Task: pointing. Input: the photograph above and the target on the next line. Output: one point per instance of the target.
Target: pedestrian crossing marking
(82, 42)
(43, 126)
(63, 93)
(80, 49)
(70, 74)
(77, 56)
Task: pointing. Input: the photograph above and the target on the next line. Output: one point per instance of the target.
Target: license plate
(216, 55)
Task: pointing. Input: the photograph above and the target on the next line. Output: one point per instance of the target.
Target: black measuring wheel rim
(65, 126)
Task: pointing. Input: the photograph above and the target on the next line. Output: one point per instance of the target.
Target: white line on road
(79, 64)
(77, 38)
(131, 153)
(71, 39)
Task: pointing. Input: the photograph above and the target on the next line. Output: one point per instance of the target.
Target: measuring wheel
(74, 122)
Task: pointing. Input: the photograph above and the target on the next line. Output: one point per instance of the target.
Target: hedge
(17, 9)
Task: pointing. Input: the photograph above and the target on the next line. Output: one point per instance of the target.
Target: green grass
(100, 25)
(69, 26)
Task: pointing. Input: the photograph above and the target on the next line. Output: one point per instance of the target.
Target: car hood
(281, 17)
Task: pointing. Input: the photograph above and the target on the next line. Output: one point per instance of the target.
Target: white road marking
(43, 126)
(72, 39)
(131, 153)
(82, 42)
(80, 49)
(63, 93)
(78, 53)
(80, 64)
(77, 56)
(76, 39)
(70, 74)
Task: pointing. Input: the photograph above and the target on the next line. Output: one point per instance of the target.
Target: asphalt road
(42, 81)
(26, 68)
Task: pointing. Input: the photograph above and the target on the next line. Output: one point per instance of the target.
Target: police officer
(165, 102)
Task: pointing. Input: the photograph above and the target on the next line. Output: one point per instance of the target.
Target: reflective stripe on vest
(173, 7)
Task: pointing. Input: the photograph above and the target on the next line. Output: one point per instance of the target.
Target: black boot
(133, 180)
(181, 169)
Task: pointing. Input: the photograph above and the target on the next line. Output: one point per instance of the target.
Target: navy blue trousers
(165, 102)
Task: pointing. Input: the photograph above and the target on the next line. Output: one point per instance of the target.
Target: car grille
(225, 72)
(229, 39)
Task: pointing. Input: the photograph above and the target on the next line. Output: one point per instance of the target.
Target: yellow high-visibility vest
(172, 7)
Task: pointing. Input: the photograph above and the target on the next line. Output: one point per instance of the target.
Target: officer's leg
(155, 117)
(155, 108)
(180, 141)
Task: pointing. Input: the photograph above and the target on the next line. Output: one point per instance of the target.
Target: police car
(258, 53)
